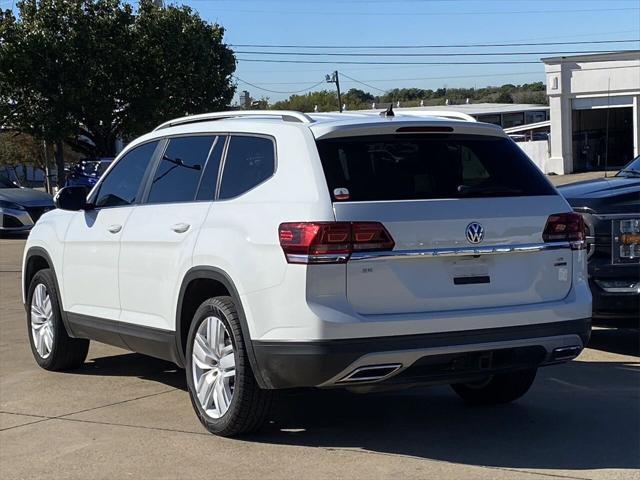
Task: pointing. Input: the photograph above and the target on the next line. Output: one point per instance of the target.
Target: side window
(122, 184)
(178, 173)
(207, 190)
(249, 162)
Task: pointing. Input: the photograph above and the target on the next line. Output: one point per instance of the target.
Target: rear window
(416, 167)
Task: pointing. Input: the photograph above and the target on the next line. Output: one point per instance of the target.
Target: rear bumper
(446, 357)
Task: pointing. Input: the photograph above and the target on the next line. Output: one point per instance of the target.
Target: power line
(468, 45)
(362, 83)
(446, 77)
(448, 54)
(276, 91)
(344, 62)
(428, 14)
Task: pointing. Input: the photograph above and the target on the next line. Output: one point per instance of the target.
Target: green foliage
(72, 70)
(325, 100)
(356, 99)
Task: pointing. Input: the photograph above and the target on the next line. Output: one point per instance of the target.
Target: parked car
(272, 250)
(87, 172)
(20, 208)
(611, 209)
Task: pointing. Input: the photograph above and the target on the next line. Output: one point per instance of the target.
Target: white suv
(272, 250)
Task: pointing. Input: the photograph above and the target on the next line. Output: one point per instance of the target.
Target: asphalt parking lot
(124, 415)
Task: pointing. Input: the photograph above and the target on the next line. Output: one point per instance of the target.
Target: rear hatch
(466, 212)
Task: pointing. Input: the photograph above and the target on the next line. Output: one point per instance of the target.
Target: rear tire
(52, 348)
(222, 387)
(500, 388)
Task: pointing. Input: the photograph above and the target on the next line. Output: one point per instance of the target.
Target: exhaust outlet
(566, 353)
(371, 373)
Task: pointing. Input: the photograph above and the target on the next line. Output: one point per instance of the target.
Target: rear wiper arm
(487, 190)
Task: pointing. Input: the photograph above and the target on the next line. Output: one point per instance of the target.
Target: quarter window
(249, 162)
(121, 186)
(178, 173)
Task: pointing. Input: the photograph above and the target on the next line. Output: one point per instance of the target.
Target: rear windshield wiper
(487, 190)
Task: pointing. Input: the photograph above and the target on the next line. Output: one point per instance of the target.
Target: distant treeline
(356, 99)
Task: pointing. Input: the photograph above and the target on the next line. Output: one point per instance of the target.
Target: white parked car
(271, 250)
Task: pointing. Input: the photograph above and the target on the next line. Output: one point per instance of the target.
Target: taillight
(331, 242)
(565, 227)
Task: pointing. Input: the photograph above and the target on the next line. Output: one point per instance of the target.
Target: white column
(636, 125)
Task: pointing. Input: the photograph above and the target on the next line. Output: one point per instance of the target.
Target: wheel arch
(36, 259)
(213, 278)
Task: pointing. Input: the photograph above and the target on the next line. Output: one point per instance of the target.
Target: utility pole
(335, 78)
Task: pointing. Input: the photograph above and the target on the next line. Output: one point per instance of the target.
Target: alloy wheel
(42, 320)
(213, 367)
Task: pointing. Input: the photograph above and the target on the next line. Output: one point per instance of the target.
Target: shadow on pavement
(136, 365)
(616, 340)
(584, 415)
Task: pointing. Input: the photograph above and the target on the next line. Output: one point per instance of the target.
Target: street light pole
(335, 78)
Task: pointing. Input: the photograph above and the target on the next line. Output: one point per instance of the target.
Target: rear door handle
(180, 227)
(114, 228)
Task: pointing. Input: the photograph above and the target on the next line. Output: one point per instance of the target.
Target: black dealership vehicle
(611, 209)
(20, 208)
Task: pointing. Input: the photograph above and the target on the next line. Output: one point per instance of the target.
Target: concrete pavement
(124, 415)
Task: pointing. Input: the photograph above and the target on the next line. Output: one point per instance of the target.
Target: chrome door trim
(466, 251)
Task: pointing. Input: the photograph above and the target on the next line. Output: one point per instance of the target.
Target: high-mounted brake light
(566, 227)
(331, 242)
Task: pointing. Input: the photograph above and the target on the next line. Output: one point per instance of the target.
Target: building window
(512, 119)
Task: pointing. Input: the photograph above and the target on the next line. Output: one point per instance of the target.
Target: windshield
(633, 167)
(5, 182)
(415, 167)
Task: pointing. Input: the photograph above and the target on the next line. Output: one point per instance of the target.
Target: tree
(504, 97)
(325, 101)
(86, 72)
(356, 99)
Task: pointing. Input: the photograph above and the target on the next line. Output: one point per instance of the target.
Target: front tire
(497, 389)
(222, 387)
(52, 348)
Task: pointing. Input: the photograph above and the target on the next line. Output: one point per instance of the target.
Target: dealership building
(594, 105)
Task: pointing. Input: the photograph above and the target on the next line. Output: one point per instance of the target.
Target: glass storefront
(593, 147)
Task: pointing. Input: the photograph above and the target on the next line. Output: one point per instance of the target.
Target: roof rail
(285, 115)
(438, 113)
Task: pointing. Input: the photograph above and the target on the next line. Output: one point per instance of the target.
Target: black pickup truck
(611, 209)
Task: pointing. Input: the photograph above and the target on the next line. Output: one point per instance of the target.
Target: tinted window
(207, 190)
(395, 167)
(178, 174)
(121, 185)
(250, 161)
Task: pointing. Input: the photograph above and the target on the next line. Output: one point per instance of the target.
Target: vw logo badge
(475, 232)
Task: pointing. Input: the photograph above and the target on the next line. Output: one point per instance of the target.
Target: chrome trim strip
(466, 251)
(311, 259)
(349, 378)
(618, 216)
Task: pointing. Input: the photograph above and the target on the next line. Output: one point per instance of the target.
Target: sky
(352, 23)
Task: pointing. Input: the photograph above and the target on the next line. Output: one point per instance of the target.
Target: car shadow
(135, 365)
(583, 415)
(624, 341)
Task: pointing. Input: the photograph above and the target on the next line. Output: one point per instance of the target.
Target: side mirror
(72, 198)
